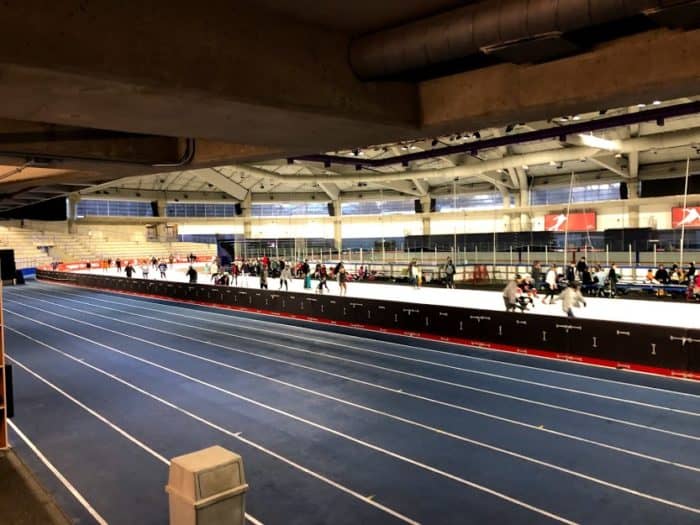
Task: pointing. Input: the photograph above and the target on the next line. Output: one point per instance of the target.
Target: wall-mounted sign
(688, 217)
(575, 222)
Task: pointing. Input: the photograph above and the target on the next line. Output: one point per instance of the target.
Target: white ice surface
(676, 313)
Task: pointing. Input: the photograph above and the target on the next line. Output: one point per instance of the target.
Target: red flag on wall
(690, 217)
(576, 222)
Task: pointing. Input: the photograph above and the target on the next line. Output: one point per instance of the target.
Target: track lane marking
(530, 426)
(236, 435)
(319, 426)
(386, 369)
(250, 317)
(64, 481)
(423, 361)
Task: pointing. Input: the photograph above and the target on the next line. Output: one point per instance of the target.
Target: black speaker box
(154, 208)
(331, 209)
(433, 205)
(418, 206)
(237, 209)
(624, 191)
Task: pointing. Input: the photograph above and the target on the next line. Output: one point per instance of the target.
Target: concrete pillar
(633, 211)
(73, 201)
(161, 233)
(246, 213)
(506, 210)
(337, 226)
(425, 202)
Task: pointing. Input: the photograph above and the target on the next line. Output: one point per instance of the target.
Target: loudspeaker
(237, 209)
(418, 206)
(624, 191)
(331, 209)
(433, 205)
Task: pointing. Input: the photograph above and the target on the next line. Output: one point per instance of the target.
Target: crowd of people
(569, 283)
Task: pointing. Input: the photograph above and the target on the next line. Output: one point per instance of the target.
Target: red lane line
(668, 372)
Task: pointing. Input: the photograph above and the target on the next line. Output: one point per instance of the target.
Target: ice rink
(664, 313)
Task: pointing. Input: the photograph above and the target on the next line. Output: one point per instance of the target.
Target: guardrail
(657, 349)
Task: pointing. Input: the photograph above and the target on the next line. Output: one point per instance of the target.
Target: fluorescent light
(641, 105)
(576, 117)
(526, 167)
(552, 163)
(656, 102)
(599, 142)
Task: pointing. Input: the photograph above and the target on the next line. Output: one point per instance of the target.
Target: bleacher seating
(37, 248)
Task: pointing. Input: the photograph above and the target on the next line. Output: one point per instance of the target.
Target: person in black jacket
(129, 270)
(581, 266)
(192, 274)
(662, 275)
(613, 277)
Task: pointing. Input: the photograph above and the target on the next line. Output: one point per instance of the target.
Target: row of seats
(37, 248)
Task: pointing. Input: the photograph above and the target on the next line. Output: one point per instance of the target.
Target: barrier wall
(656, 349)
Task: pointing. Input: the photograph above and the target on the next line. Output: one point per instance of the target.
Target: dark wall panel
(620, 343)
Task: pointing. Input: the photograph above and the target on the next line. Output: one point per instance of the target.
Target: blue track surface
(334, 426)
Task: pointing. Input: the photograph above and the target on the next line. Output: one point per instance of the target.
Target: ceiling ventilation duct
(513, 30)
(676, 14)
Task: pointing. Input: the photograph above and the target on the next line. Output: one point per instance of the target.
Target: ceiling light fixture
(656, 102)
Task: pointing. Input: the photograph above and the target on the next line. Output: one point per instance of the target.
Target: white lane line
(67, 484)
(436, 430)
(442, 365)
(376, 367)
(236, 435)
(104, 420)
(177, 305)
(401, 392)
(422, 426)
(319, 426)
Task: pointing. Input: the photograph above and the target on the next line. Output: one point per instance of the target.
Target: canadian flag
(688, 217)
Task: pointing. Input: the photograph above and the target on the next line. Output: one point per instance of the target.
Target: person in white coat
(570, 297)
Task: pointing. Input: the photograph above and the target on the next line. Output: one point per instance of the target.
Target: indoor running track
(334, 428)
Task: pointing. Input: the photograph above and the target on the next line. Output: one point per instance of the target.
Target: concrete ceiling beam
(612, 75)
(215, 178)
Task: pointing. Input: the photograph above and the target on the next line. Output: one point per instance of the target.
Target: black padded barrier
(621, 343)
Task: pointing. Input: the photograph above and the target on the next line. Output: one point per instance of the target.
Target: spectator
(551, 284)
(510, 296)
(342, 280)
(650, 277)
(144, 270)
(570, 273)
(581, 267)
(285, 277)
(263, 277)
(154, 262)
(613, 278)
(691, 271)
(599, 279)
(129, 270)
(662, 275)
(118, 264)
(192, 274)
(450, 271)
(536, 273)
(305, 271)
(162, 267)
(570, 297)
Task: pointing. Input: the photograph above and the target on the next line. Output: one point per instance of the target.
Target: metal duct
(491, 24)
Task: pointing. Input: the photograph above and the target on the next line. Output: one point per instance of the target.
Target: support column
(506, 210)
(246, 208)
(73, 200)
(425, 202)
(161, 227)
(337, 226)
(633, 211)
